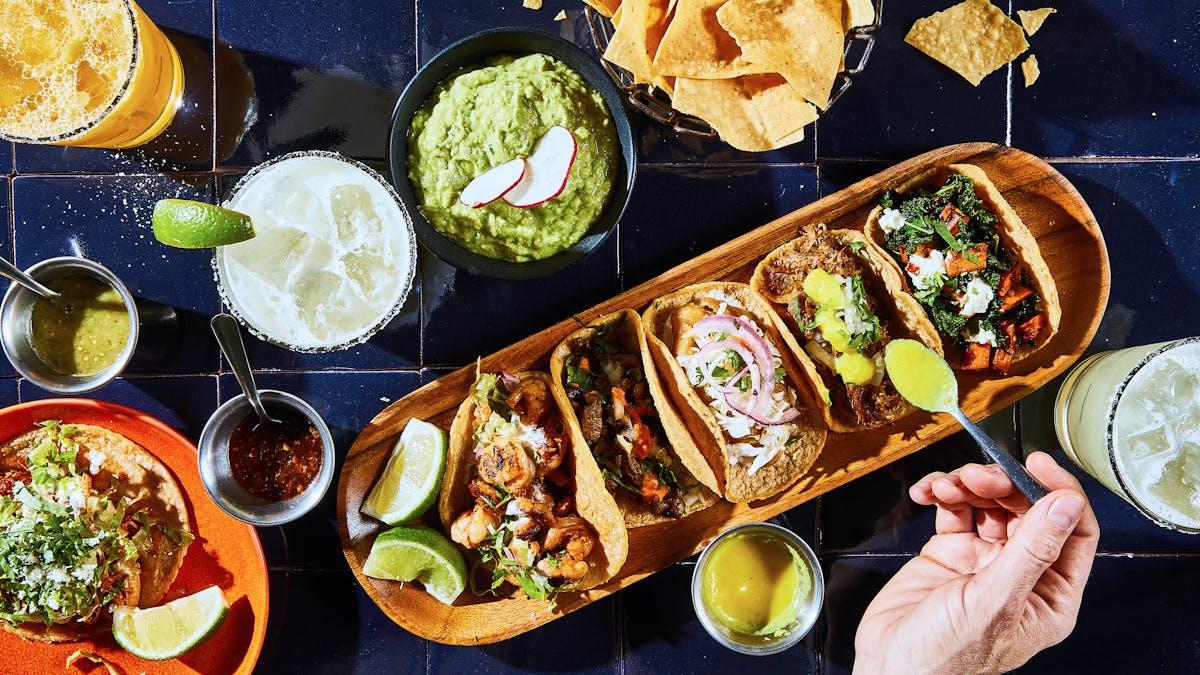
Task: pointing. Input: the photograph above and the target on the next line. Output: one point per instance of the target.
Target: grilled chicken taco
(749, 404)
(648, 459)
(88, 520)
(971, 263)
(843, 301)
(517, 492)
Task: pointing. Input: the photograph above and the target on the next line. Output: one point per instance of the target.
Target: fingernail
(1065, 511)
(923, 486)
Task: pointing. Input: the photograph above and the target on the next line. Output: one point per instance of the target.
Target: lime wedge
(412, 477)
(166, 631)
(417, 553)
(186, 224)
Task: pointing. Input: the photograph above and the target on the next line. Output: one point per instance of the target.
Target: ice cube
(1146, 444)
(1179, 484)
(354, 215)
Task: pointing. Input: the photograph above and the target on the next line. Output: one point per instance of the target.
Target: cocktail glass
(1131, 419)
(332, 259)
(92, 73)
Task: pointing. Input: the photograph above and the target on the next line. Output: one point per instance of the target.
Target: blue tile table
(1117, 111)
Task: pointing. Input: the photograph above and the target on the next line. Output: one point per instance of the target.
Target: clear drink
(333, 256)
(94, 73)
(1131, 419)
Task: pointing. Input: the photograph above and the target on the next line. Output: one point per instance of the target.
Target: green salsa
(480, 118)
(922, 377)
(756, 584)
(84, 331)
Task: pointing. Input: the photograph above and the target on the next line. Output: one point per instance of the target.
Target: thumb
(1034, 545)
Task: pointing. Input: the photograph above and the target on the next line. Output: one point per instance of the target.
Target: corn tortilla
(1030, 69)
(642, 26)
(1032, 19)
(972, 38)
(755, 113)
(696, 46)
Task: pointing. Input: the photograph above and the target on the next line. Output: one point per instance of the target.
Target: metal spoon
(934, 368)
(229, 336)
(11, 271)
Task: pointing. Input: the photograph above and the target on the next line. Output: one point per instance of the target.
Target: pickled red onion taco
(521, 495)
(88, 520)
(620, 411)
(750, 404)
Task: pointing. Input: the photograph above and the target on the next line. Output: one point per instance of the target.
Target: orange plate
(226, 553)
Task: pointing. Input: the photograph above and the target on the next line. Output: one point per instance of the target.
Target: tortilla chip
(695, 45)
(593, 503)
(561, 16)
(972, 38)
(629, 338)
(616, 17)
(797, 456)
(1029, 68)
(531, 4)
(1032, 19)
(1014, 234)
(858, 13)
(607, 8)
(636, 40)
(802, 40)
(778, 278)
(753, 112)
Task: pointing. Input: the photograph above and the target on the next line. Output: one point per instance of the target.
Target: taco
(971, 263)
(517, 492)
(750, 405)
(843, 301)
(88, 520)
(648, 459)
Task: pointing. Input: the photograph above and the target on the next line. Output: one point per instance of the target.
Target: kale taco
(971, 263)
(520, 493)
(88, 520)
(621, 413)
(843, 301)
(749, 403)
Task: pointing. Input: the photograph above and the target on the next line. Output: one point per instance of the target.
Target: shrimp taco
(750, 405)
(88, 520)
(843, 301)
(972, 264)
(648, 459)
(519, 493)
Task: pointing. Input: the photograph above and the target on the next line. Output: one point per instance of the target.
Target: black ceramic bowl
(472, 51)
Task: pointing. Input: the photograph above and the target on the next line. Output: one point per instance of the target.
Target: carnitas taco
(519, 494)
(971, 263)
(843, 301)
(88, 520)
(749, 403)
(621, 413)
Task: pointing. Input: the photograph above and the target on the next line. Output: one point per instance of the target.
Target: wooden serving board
(1070, 241)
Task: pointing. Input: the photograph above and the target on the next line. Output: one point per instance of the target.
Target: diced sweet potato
(970, 260)
(977, 357)
(1009, 279)
(1013, 297)
(1031, 328)
(952, 217)
(1002, 360)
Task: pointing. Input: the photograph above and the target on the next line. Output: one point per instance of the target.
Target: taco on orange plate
(648, 459)
(843, 301)
(88, 520)
(750, 404)
(522, 495)
(971, 263)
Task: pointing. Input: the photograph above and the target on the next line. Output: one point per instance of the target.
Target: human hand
(999, 581)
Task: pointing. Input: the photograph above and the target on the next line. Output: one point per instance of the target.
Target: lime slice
(417, 553)
(187, 224)
(166, 631)
(412, 477)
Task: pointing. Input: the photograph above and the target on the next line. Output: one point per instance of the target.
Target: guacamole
(480, 118)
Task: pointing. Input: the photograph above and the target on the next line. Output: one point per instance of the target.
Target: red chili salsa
(276, 461)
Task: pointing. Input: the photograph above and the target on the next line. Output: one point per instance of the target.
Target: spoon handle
(229, 337)
(1026, 483)
(13, 272)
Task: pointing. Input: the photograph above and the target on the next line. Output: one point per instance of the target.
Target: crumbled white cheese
(849, 312)
(58, 575)
(891, 220)
(533, 436)
(923, 269)
(96, 461)
(512, 509)
(983, 336)
(976, 298)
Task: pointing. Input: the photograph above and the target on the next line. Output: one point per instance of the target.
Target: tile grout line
(213, 100)
(1009, 95)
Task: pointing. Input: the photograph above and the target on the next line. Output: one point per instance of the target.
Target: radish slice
(491, 185)
(549, 167)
